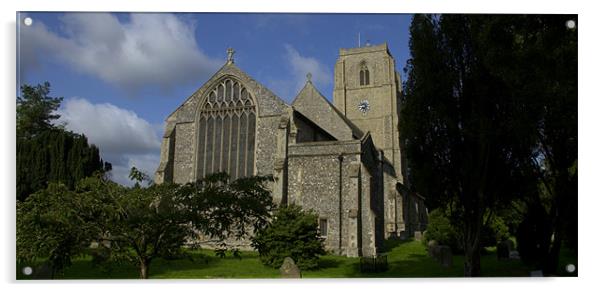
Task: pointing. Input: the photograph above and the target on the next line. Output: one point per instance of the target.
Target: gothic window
(364, 74)
(226, 131)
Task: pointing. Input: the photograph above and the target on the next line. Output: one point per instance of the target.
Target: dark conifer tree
(45, 152)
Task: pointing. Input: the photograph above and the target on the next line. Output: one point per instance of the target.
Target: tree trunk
(472, 262)
(472, 244)
(144, 266)
(550, 263)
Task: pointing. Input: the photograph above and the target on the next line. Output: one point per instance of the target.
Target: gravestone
(418, 235)
(445, 256)
(514, 255)
(289, 269)
(432, 246)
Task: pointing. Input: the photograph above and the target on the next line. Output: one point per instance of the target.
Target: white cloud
(147, 163)
(112, 128)
(124, 139)
(298, 66)
(147, 50)
(301, 65)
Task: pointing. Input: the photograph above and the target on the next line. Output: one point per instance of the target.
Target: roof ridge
(356, 131)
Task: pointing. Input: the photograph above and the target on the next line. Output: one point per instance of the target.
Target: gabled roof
(314, 106)
(268, 103)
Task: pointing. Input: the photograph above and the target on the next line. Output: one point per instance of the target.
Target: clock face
(364, 106)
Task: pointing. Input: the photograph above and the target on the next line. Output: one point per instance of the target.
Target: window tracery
(226, 131)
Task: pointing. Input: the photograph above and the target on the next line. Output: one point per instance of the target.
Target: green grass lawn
(406, 259)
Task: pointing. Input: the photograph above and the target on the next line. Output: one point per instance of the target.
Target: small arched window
(364, 74)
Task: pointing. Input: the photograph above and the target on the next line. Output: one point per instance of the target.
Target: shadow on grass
(328, 263)
(391, 244)
(413, 265)
(409, 259)
(194, 263)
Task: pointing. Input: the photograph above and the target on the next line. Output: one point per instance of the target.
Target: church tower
(367, 89)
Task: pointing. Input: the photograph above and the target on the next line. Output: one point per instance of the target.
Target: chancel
(342, 159)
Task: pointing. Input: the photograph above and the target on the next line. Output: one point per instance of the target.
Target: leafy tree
(293, 233)
(138, 224)
(476, 97)
(55, 224)
(158, 220)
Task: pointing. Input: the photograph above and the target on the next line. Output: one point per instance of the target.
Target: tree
(36, 110)
(547, 56)
(55, 155)
(46, 153)
(157, 221)
(55, 224)
(471, 115)
(138, 224)
(293, 233)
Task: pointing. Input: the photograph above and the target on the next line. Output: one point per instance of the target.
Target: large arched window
(226, 131)
(364, 74)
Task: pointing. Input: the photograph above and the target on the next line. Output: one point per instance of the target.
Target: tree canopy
(478, 97)
(36, 110)
(136, 224)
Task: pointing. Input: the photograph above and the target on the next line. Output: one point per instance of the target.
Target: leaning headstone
(289, 269)
(417, 235)
(537, 273)
(503, 251)
(445, 256)
(432, 245)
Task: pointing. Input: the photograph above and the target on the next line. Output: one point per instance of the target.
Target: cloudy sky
(121, 74)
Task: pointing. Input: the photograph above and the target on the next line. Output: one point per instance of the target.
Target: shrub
(494, 232)
(441, 230)
(292, 233)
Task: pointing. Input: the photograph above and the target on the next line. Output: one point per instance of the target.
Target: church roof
(314, 106)
(268, 103)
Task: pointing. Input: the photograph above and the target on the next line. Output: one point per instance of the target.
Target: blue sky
(122, 74)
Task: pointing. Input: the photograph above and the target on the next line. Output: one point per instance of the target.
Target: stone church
(342, 159)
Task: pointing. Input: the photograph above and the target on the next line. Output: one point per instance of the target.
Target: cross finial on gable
(308, 77)
(230, 52)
